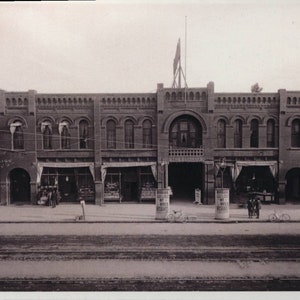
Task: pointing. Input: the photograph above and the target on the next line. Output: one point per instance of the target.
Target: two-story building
(121, 147)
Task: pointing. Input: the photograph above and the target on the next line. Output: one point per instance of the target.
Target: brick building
(120, 147)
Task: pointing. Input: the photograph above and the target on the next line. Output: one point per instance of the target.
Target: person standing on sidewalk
(54, 198)
(250, 207)
(257, 206)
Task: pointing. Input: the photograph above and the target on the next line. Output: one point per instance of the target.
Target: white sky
(111, 46)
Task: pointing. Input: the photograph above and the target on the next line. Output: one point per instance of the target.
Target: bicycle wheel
(182, 218)
(272, 217)
(170, 218)
(285, 217)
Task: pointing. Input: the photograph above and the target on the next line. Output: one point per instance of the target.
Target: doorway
(19, 186)
(184, 178)
(292, 191)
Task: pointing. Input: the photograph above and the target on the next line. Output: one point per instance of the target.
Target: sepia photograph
(149, 149)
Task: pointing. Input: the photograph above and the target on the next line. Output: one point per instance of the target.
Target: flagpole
(179, 78)
(185, 46)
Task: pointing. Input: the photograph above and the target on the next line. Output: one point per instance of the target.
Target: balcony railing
(186, 154)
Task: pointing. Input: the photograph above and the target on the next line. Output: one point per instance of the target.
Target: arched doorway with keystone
(19, 181)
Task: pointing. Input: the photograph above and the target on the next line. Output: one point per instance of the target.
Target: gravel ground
(146, 269)
(148, 229)
(142, 212)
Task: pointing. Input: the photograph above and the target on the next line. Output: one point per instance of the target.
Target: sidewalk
(134, 213)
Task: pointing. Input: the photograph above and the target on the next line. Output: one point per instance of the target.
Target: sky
(119, 47)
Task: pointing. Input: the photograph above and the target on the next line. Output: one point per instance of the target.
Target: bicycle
(275, 217)
(177, 216)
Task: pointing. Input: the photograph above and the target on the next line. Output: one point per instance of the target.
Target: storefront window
(112, 187)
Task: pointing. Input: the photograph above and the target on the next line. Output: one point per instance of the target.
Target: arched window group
(254, 134)
(129, 143)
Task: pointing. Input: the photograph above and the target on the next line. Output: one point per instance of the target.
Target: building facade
(121, 147)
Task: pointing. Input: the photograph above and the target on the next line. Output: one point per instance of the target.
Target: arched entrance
(185, 172)
(292, 190)
(19, 186)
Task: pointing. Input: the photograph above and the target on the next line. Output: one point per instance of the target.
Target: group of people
(254, 207)
(48, 196)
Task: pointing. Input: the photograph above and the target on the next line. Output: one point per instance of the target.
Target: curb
(145, 222)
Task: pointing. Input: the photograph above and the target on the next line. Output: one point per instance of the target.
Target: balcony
(186, 155)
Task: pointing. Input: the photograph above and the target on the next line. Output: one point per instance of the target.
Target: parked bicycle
(177, 216)
(275, 217)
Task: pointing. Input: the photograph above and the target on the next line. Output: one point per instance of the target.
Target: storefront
(256, 177)
(72, 180)
(129, 182)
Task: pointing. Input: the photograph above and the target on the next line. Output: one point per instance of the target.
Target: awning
(236, 168)
(127, 165)
(40, 167)
(272, 164)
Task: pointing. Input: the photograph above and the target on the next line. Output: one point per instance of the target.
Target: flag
(177, 57)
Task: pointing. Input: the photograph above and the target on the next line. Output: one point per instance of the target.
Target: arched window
(238, 134)
(129, 134)
(111, 134)
(271, 133)
(47, 135)
(147, 134)
(17, 135)
(185, 132)
(254, 134)
(65, 137)
(221, 134)
(295, 133)
(83, 134)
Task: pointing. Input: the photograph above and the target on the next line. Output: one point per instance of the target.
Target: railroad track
(209, 254)
(242, 254)
(151, 284)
